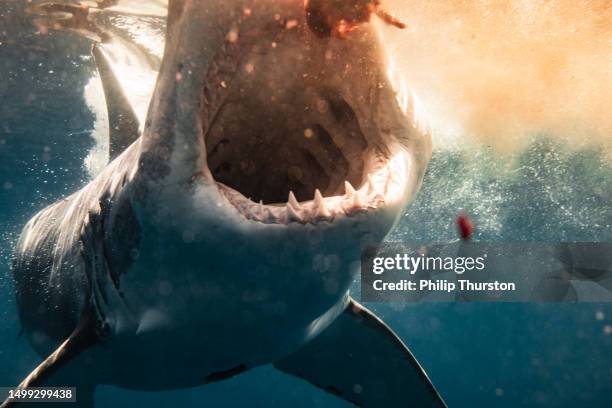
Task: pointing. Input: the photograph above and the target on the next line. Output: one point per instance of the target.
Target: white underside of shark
(179, 264)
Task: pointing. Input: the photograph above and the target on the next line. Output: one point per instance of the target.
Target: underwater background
(477, 354)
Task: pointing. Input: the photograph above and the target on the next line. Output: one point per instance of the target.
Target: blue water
(478, 355)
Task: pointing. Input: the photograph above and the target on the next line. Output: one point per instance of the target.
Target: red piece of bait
(465, 226)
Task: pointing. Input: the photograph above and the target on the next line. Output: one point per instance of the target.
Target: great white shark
(227, 229)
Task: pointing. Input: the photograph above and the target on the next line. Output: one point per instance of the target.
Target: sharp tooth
(348, 188)
(318, 198)
(319, 205)
(358, 201)
(293, 201)
(292, 214)
(261, 209)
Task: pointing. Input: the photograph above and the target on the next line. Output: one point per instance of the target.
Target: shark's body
(163, 273)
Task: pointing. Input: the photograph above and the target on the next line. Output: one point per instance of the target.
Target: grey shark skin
(226, 236)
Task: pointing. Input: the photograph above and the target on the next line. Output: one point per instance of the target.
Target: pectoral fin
(358, 358)
(61, 368)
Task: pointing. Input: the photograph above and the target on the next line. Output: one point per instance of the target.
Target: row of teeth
(379, 187)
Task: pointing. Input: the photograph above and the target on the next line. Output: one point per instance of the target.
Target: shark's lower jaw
(384, 186)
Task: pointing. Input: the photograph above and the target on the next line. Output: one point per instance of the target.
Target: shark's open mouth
(286, 166)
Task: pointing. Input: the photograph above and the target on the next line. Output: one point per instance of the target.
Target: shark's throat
(296, 142)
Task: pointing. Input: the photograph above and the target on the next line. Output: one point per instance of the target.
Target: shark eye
(337, 18)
